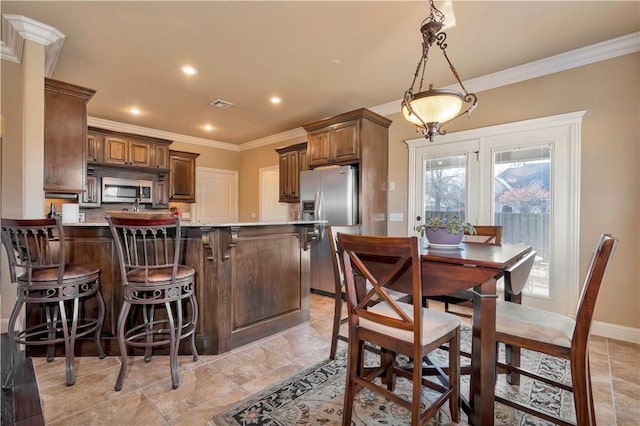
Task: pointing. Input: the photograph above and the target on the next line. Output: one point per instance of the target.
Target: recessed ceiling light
(189, 70)
(336, 61)
(208, 127)
(276, 100)
(134, 111)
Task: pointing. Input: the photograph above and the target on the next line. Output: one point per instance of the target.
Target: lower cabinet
(251, 282)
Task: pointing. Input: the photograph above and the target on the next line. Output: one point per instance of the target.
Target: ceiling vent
(219, 103)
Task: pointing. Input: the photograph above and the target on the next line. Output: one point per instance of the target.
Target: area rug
(315, 397)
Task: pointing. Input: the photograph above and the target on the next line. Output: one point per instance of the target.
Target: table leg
(483, 348)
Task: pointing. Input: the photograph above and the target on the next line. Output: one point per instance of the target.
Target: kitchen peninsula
(252, 279)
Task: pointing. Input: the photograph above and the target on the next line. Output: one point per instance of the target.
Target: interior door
(216, 196)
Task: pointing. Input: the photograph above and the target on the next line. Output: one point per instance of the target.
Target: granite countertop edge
(215, 225)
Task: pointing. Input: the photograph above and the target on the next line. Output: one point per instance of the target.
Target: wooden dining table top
(477, 254)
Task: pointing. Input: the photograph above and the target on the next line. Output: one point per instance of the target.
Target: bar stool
(149, 254)
(36, 246)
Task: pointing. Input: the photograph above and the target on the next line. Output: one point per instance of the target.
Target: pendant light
(432, 108)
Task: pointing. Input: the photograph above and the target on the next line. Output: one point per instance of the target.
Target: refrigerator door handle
(318, 209)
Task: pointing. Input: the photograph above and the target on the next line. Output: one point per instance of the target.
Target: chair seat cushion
(160, 275)
(534, 324)
(71, 272)
(434, 324)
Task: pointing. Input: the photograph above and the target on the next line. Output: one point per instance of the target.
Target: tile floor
(208, 386)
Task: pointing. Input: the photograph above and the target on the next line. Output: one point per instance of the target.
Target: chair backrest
(33, 244)
(488, 234)
(516, 276)
(382, 261)
(146, 245)
(593, 280)
(332, 232)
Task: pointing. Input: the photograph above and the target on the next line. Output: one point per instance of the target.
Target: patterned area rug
(315, 397)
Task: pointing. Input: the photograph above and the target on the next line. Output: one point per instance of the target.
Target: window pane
(522, 194)
(445, 186)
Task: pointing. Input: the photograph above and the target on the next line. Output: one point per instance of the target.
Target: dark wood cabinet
(160, 196)
(335, 144)
(292, 161)
(133, 152)
(91, 197)
(360, 138)
(182, 180)
(65, 132)
(95, 143)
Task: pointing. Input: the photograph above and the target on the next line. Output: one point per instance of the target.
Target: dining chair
(485, 234)
(559, 336)
(396, 327)
(58, 295)
(152, 277)
(339, 290)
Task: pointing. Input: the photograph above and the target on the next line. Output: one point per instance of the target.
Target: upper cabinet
(135, 152)
(182, 178)
(65, 131)
(334, 144)
(292, 161)
(361, 138)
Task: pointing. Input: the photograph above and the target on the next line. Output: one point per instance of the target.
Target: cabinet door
(294, 176)
(346, 142)
(140, 154)
(319, 148)
(94, 147)
(91, 198)
(65, 132)
(284, 178)
(161, 156)
(115, 150)
(160, 198)
(182, 183)
(302, 162)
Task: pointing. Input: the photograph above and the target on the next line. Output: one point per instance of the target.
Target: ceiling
(321, 57)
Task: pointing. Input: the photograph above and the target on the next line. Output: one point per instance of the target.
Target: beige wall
(610, 184)
(251, 161)
(214, 158)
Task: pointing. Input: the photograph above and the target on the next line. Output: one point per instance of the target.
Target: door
(216, 195)
(271, 209)
(521, 176)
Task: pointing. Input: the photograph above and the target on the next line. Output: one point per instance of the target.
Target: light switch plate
(396, 217)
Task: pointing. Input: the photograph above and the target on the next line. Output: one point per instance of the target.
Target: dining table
(475, 268)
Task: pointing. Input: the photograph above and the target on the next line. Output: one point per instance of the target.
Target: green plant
(451, 224)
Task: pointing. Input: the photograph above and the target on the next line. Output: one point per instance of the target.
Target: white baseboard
(614, 331)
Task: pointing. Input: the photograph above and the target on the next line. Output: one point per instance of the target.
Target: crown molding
(146, 131)
(564, 61)
(17, 28)
(298, 133)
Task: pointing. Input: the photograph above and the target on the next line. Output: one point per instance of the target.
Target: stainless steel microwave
(115, 190)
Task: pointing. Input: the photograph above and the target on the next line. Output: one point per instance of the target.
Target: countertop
(215, 225)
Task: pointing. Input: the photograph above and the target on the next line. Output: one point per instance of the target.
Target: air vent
(219, 103)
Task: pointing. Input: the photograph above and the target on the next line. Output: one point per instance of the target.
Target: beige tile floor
(213, 383)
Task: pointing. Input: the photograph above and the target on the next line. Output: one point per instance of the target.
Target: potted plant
(444, 230)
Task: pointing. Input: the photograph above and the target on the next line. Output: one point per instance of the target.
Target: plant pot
(441, 236)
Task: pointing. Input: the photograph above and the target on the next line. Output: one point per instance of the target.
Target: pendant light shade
(432, 108)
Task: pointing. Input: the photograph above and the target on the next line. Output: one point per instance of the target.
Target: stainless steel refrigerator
(329, 194)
